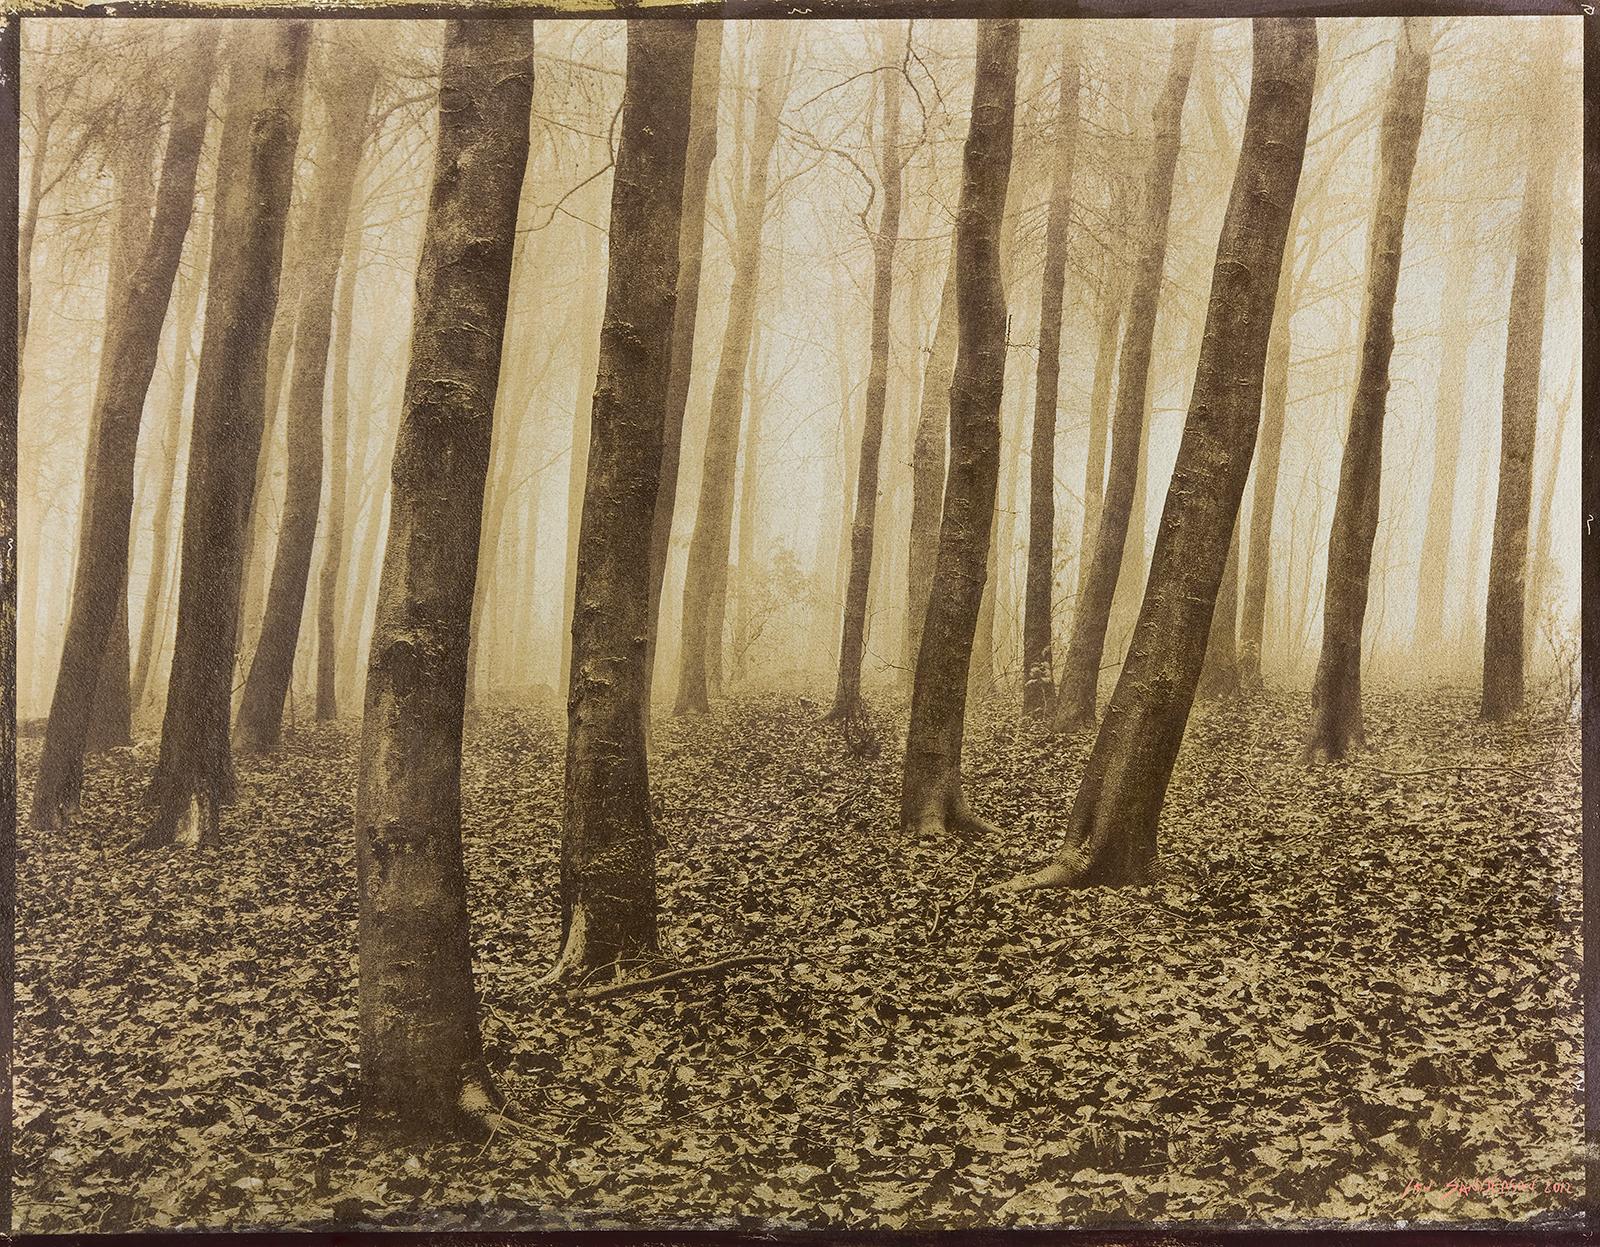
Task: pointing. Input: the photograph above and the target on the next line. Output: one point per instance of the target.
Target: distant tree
(1336, 695)
(608, 882)
(422, 1069)
(139, 298)
(928, 462)
(1114, 817)
(1219, 674)
(931, 796)
(261, 126)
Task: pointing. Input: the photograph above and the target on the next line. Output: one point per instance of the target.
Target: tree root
(1067, 871)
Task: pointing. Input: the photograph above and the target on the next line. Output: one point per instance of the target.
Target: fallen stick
(672, 976)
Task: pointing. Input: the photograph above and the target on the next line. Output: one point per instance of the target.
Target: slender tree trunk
(1038, 676)
(422, 1070)
(260, 721)
(1080, 679)
(1504, 647)
(708, 549)
(1219, 675)
(589, 329)
(194, 772)
(1114, 817)
(1336, 694)
(27, 231)
(1094, 474)
(608, 878)
(931, 796)
(1544, 565)
(127, 363)
(928, 464)
(749, 508)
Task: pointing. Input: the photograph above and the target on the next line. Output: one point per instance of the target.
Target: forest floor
(1352, 995)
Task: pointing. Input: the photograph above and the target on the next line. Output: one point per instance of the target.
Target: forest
(797, 624)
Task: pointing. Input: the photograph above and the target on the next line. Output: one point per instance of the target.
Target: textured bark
(127, 363)
(931, 796)
(706, 573)
(422, 1070)
(1505, 616)
(1080, 677)
(194, 772)
(260, 720)
(691, 253)
(1114, 817)
(1336, 694)
(863, 527)
(608, 878)
(1038, 678)
(928, 464)
(1219, 675)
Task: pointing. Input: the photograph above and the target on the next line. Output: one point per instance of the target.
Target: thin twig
(672, 976)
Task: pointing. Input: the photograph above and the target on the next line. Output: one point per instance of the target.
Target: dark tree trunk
(1080, 678)
(1219, 675)
(691, 252)
(260, 721)
(1112, 836)
(608, 877)
(194, 773)
(422, 1070)
(1038, 676)
(1504, 647)
(127, 363)
(589, 329)
(931, 796)
(863, 528)
(1336, 694)
(707, 569)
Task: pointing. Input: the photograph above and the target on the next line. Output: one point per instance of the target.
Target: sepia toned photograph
(901, 623)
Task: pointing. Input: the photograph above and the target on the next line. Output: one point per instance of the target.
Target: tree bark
(1219, 674)
(194, 772)
(1114, 817)
(260, 721)
(1336, 726)
(594, 269)
(127, 363)
(931, 796)
(1038, 676)
(1080, 678)
(1505, 616)
(608, 881)
(422, 1070)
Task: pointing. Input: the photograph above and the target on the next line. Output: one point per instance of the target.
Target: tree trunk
(1336, 694)
(708, 548)
(1038, 677)
(931, 796)
(852, 645)
(127, 363)
(1544, 564)
(749, 507)
(1094, 472)
(608, 878)
(589, 329)
(260, 721)
(194, 772)
(1080, 678)
(1504, 648)
(422, 1070)
(1219, 674)
(1112, 836)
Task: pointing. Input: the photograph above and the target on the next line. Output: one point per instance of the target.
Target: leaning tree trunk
(1219, 674)
(1504, 649)
(127, 363)
(1112, 836)
(194, 772)
(863, 527)
(1080, 678)
(1336, 694)
(422, 1070)
(608, 877)
(709, 547)
(1038, 677)
(260, 721)
(931, 796)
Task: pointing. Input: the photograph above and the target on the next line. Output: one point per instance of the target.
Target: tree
(127, 363)
(928, 462)
(1080, 677)
(608, 894)
(261, 126)
(1504, 647)
(348, 95)
(422, 1068)
(1219, 674)
(1336, 694)
(1113, 822)
(931, 795)
(1038, 675)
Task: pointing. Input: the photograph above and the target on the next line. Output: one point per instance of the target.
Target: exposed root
(1068, 871)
